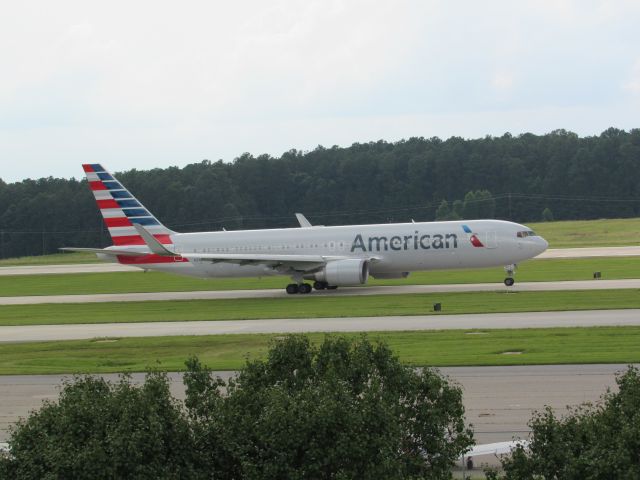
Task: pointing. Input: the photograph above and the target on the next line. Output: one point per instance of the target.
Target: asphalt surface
(586, 318)
(585, 252)
(343, 291)
(114, 267)
(498, 400)
(61, 269)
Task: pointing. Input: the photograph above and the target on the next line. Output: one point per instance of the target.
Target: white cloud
(633, 83)
(502, 80)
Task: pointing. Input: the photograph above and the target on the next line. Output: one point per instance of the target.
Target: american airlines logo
(475, 241)
(404, 242)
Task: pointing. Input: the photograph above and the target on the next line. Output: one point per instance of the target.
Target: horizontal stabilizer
(103, 251)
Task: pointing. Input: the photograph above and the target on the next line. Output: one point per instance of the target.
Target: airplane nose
(542, 244)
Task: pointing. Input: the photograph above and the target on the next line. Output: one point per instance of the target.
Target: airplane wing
(300, 263)
(305, 263)
(302, 220)
(304, 223)
(499, 448)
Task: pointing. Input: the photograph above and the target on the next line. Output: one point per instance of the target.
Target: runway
(115, 267)
(585, 318)
(498, 400)
(71, 268)
(343, 291)
(586, 252)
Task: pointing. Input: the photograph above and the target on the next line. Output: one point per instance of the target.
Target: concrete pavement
(586, 318)
(498, 400)
(343, 291)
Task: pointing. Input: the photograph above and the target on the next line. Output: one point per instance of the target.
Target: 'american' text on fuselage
(405, 242)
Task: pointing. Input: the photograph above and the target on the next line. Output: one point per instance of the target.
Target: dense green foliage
(591, 442)
(102, 430)
(575, 178)
(345, 409)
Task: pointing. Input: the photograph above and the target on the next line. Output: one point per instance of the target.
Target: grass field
(53, 259)
(590, 233)
(122, 282)
(228, 352)
(316, 307)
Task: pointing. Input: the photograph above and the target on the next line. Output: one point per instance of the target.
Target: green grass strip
(124, 282)
(52, 259)
(589, 233)
(311, 307)
(228, 352)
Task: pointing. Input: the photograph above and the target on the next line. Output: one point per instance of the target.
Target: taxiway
(343, 291)
(498, 401)
(584, 318)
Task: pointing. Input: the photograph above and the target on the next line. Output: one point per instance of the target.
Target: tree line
(508, 177)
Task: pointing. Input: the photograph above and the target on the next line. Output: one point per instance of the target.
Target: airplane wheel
(509, 281)
(332, 287)
(292, 288)
(320, 285)
(304, 288)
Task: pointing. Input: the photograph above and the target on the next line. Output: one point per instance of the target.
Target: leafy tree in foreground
(592, 442)
(102, 430)
(346, 409)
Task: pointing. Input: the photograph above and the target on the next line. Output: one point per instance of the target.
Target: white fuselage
(393, 248)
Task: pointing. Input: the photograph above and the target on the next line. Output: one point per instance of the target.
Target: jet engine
(350, 271)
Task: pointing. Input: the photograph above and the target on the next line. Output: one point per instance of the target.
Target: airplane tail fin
(121, 211)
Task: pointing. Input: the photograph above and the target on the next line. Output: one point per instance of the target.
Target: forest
(523, 178)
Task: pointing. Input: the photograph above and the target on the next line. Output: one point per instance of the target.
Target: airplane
(328, 256)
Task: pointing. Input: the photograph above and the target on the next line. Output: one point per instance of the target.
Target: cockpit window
(526, 233)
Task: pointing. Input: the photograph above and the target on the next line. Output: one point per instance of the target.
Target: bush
(593, 442)
(102, 430)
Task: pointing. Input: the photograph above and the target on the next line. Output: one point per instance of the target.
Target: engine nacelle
(350, 271)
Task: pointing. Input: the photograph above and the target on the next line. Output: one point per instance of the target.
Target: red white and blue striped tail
(121, 210)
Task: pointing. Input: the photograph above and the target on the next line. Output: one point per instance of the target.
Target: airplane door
(490, 240)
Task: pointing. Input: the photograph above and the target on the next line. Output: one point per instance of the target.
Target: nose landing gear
(510, 270)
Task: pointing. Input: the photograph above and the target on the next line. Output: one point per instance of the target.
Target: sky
(145, 84)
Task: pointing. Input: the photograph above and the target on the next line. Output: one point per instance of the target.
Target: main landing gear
(294, 288)
(510, 270)
(323, 286)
